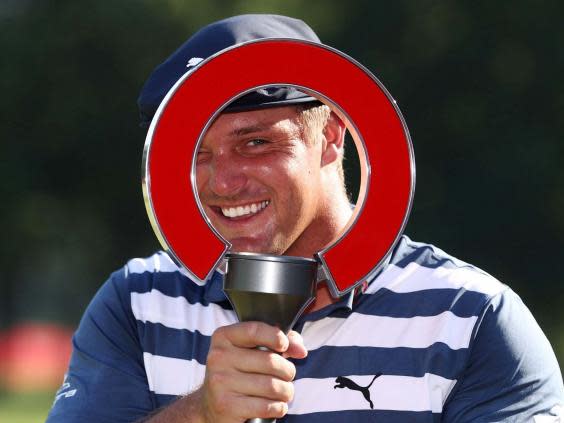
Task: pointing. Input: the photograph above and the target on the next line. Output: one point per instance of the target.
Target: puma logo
(343, 382)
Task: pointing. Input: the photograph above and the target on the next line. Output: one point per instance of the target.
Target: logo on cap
(193, 62)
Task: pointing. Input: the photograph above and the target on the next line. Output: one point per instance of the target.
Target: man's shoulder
(158, 274)
(158, 263)
(417, 266)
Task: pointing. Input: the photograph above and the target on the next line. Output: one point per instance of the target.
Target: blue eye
(256, 141)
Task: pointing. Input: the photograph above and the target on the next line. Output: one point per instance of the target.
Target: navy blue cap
(216, 37)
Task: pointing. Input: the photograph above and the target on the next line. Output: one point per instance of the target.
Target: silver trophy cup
(271, 289)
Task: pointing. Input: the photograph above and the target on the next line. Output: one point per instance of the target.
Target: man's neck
(323, 298)
(328, 228)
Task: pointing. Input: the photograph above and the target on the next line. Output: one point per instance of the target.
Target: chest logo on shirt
(344, 382)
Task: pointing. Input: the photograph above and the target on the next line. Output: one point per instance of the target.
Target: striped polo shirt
(430, 339)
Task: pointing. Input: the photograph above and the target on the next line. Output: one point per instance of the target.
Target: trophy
(277, 289)
(270, 289)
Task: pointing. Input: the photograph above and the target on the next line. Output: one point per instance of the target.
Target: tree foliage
(480, 85)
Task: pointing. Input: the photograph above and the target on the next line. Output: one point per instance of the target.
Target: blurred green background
(479, 83)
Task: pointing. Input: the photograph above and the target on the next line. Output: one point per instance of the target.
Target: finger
(251, 335)
(269, 409)
(266, 363)
(248, 360)
(296, 347)
(262, 408)
(251, 385)
(235, 407)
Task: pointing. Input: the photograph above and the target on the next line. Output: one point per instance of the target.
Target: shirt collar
(214, 288)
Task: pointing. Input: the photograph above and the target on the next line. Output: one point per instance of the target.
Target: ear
(334, 140)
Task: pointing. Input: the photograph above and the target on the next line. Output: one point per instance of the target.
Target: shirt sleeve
(512, 373)
(106, 379)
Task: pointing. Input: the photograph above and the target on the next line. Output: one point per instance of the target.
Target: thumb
(296, 347)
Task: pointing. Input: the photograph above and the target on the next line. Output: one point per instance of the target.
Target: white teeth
(244, 210)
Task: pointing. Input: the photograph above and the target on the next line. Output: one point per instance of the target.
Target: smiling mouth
(244, 211)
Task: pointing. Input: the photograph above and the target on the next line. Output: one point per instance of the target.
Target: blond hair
(313, 118)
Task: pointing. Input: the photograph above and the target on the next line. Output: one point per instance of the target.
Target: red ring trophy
(276, 289)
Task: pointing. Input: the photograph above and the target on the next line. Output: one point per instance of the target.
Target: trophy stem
(271, 289)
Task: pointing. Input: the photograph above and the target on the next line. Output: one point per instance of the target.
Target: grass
(25, 408)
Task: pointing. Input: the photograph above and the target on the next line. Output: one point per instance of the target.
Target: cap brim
(235, 107)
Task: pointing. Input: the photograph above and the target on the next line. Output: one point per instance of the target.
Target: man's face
(259, 180)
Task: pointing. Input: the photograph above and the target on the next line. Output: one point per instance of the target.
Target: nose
(227, 176)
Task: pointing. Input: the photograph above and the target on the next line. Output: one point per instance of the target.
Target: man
(430, 338)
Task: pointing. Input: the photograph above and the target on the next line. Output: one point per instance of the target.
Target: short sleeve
(106, 380)
(512, 373)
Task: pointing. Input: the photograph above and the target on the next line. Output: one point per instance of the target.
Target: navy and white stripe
(445, 337)
(414, 323)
